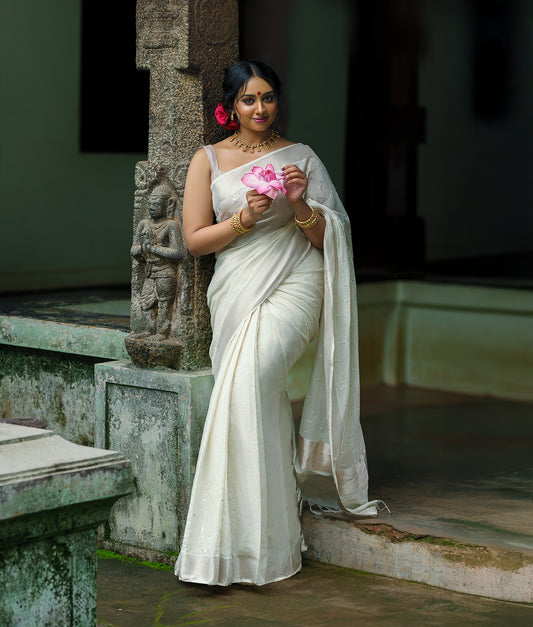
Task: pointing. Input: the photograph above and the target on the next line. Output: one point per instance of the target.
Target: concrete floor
(131, 595)
(448, 465)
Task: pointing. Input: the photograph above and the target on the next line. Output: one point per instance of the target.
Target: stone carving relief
(157, 251)
(156, 244)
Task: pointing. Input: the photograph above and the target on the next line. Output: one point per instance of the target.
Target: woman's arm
(202, 236)
(296, 183)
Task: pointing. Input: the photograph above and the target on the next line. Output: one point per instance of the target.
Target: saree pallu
(271, 292)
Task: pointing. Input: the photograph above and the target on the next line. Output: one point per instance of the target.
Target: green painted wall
(474, 181)
(66, 216)
(317, 85)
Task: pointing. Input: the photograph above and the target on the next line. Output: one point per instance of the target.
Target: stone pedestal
(155, 418)
(53, 496)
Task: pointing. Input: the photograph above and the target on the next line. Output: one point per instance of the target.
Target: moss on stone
(31, 363)
(56, 388)
(104, 554)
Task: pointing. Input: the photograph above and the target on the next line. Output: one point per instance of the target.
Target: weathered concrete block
(384, 550)
(155, 418)
(53, 496)
(48, 348)
(54, 387)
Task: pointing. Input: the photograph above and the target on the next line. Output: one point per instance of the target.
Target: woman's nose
(259, 107)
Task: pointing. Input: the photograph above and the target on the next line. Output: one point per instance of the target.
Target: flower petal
(272, 193)
(263, 188)
(279, 186)
(221, 114)
(265, 181)
(250, 180)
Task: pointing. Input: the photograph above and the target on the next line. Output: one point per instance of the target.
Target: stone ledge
(383, 550)
(75, 339)
(40, 471)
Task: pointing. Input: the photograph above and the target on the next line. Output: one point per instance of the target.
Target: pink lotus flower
(267, 181)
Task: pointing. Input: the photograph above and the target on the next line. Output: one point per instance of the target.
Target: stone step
(382, 549)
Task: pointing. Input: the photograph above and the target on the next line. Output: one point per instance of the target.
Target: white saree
(271, 292)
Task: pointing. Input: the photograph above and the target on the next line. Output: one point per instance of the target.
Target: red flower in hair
(223, 118)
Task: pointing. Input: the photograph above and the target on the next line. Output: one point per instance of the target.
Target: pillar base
(155, 418)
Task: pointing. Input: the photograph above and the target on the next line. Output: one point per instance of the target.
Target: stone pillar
(155, 414)
(186, 45)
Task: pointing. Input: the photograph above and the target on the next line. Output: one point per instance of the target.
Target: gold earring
(232, 115)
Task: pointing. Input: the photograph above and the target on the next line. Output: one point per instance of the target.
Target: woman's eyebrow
(266, 93)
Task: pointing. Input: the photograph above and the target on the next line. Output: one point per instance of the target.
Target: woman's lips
(260, 120)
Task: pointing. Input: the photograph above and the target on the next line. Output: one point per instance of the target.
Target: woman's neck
(254, 137)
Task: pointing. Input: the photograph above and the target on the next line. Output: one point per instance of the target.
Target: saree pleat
(243, 523)
(270, 294)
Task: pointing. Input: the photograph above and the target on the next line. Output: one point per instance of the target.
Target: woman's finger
(291, 168)
(296, 177)
(253, 194)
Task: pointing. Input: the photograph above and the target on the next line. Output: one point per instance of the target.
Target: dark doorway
(114, 94)
(385, 126)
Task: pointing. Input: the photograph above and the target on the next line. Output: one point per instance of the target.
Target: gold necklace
(240, 144)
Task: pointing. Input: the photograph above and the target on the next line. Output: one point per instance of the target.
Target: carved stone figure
(157, 253)
(156, 244)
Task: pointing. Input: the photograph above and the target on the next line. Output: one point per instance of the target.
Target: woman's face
(256, 107)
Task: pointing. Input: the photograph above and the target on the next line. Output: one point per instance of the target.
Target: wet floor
(461, 470)
(451, 465)
(131, 595)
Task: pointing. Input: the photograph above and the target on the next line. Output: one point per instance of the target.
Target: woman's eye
(269, 98)
(248, 101)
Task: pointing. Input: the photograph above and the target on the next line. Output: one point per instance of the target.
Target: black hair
(240, 73)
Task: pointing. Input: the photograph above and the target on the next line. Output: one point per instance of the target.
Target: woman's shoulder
(200, 157)
(283, 142)
(223, 144)
(200, 163)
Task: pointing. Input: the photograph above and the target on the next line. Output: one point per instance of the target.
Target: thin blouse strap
(213, 161)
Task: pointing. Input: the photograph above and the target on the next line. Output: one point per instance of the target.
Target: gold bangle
(237, 225)
(310, 222)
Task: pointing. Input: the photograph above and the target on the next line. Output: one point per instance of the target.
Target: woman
(280, 262)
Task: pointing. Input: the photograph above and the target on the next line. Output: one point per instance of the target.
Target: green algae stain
(160, 606)
(31, 363)
(104, 554)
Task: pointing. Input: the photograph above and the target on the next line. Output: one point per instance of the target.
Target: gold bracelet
(237, 225)
(310, 222)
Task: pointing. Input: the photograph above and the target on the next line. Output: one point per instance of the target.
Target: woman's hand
(295, 182)
(257, 205)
